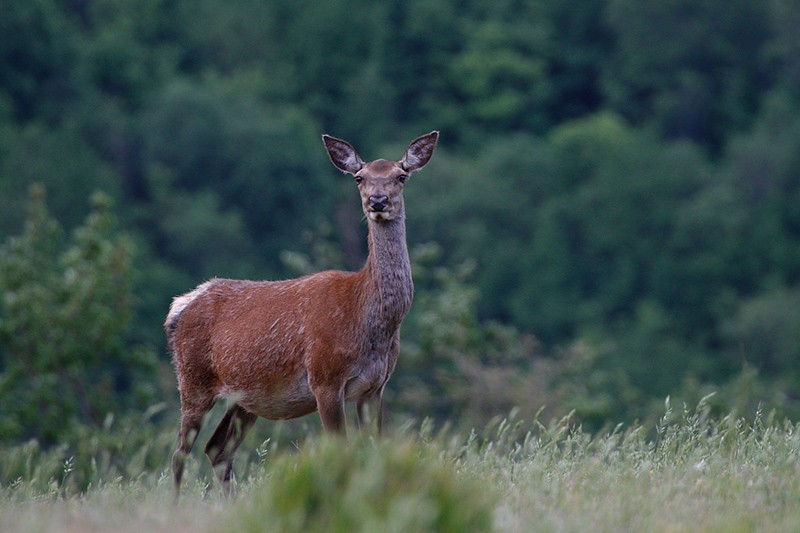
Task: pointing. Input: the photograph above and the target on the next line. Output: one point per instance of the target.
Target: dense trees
(65, 310)
(623, 176)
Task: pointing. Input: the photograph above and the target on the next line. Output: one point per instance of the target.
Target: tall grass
(690, 472)
(694, 474)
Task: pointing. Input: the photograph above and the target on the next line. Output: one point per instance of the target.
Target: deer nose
(378, 203)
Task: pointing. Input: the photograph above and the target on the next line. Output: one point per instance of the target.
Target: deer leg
(360, 420)
(379, 414)
(227, 438)
(330, 404)
(191, 422)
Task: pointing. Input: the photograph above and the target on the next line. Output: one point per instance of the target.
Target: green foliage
(683, 64)
(58, 158)
(604, 241)
(129, 48)
(365, 486)
(230, 163)
(765, 331)
(501, 76)
(64, 314)
(37, 49)
(454, 366)
(620, 177)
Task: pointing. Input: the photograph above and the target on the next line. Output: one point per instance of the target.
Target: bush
(64, 313)
(365, 486)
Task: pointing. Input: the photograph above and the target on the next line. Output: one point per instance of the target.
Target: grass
(688, 473)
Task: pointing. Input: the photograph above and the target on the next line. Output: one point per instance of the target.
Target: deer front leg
(360, 419)
(380, 413)
(330, 404)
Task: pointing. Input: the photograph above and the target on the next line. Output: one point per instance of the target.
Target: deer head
(381, 182)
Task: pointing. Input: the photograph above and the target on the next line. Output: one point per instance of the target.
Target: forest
(612, 216)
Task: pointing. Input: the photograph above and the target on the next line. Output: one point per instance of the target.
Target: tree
(454, 366)
(63, 318)
(38, 52)
(58, 158)
(500, 79)
(689, 66)
(604, 240)
(230, 169)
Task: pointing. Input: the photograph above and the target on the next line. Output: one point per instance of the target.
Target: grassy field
(688, 473)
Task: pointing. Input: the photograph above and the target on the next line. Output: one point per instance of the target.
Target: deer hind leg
(222, 445)
(191, 421)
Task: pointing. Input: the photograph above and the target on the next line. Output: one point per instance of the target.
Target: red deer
(284, 349)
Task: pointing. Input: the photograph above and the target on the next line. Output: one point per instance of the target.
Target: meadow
(690, 472)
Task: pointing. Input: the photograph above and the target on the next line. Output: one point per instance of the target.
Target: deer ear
(419, 152)
(342, 154)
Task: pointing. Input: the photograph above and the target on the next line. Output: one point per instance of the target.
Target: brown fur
(284, 349)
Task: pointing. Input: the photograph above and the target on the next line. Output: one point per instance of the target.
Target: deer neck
(388, 270)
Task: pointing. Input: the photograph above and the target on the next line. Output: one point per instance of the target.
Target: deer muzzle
(378, 204)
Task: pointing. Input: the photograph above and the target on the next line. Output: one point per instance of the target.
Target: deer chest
(373, 368)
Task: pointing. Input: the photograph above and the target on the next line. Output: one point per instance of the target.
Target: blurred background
(612, 215)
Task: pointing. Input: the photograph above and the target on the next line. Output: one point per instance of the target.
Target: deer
(284, 349)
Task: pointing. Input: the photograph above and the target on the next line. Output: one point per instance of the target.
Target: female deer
(284, 349)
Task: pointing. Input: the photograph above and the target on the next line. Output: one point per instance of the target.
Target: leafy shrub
(366, 486)
(64, 313)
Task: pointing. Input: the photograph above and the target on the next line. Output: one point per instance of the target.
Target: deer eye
(358, 179)
(402, 178)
